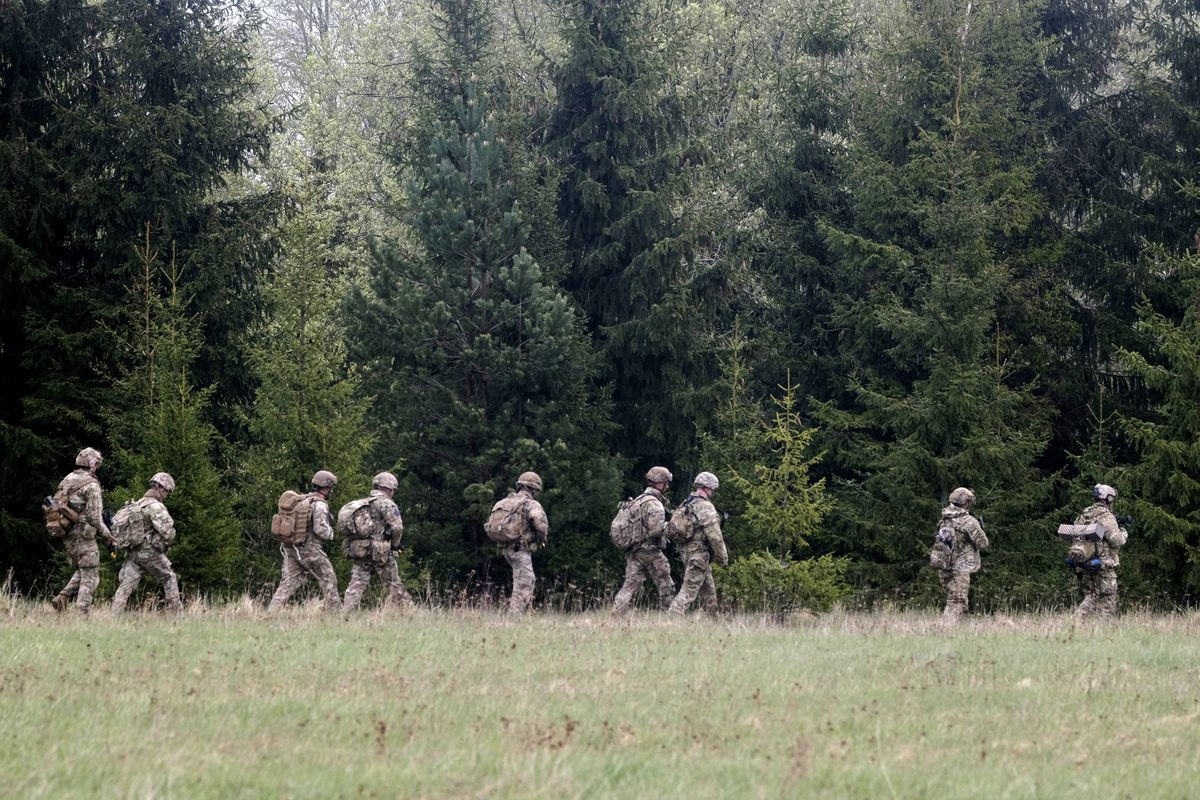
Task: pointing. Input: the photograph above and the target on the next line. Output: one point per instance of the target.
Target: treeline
(846, 256)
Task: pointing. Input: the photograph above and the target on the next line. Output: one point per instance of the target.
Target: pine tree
(619, 137)
(477, 363)
(161, 425)
(942, 182)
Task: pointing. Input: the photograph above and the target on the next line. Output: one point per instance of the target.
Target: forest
(846, 254)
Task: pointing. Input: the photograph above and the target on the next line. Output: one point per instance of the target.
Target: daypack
(292, 524)
(129, 527)
(506, 523)
(358, 520)
(682, 526)
(941, 556)
(627, 530)
(59, 516)
(1083, 552)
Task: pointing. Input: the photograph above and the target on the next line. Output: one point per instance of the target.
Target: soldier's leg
(360, 578)
(389, 574)
(708, 592)
(67, 592)
(1106, 593)
(292, 578)
(660, 572)
(523, 580)
(957, 584)
(158, 565)
(130, 576)
(319, 565)
(694, 572)
(1088, 606)
(89, 575)
(635, 576)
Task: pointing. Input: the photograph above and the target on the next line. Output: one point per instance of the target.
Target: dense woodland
(846, 254)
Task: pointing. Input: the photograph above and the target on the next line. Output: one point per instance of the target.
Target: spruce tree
(478, 365)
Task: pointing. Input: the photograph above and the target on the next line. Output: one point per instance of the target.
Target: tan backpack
(682, 527)
(506, 523)
(292, 524)
(129, 527)
(58, 514)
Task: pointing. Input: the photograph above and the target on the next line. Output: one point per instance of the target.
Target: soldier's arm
(393, 522)
(322, 526)
(976, 534)
(161, 521)
(1114, 534)
(710, 523)
(539, 522)
(94, 510)
(654, 517)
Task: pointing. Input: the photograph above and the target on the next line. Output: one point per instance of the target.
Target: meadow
(225, 702)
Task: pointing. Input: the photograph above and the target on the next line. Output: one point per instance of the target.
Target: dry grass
(226, 702)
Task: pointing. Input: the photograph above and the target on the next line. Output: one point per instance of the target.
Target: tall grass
(225, 702)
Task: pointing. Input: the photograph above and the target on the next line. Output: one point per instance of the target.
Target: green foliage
(764, 582)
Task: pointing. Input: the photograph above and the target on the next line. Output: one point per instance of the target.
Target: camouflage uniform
(150, 556)
(377, 554)
(80, 540)
(969, 539)
(519, 555)
(704, 543)
(301, 561)
(646, 560)
(1100, 587)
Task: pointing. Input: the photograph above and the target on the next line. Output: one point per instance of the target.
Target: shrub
(765, 582)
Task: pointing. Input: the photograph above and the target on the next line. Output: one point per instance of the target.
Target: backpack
(358, 520)
(59, 516)
(292, 524)
(506, 523)
(129, 527)
(1082, 552)
(941, 556)
(627, 530)
(683, 523)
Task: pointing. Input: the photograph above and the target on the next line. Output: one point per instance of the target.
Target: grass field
(227, 703)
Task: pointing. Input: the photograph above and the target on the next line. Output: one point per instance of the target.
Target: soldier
(697, 527)
(960, 537)
(81, 490)
(307, 558)
(646, 560)
(151, 555)
(373, 529)
(518, 523)
(1100, 586)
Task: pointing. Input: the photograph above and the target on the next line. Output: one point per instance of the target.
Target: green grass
(228, 703)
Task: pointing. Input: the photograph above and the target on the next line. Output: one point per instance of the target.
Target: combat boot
(59, 602)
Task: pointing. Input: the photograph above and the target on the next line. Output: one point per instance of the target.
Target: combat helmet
(324, 479)
(659, 475)
(385, 480)
(164, 480)
(707, 480)
(88, 457)
(530, 480)
(962, 497)
(1104, 493)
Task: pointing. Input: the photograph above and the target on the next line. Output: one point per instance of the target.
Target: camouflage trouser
(956, 585)
(139, 562)
(382, 563)
(300, 562)
(1099, 594)
(697, 582)
(85, 557)
(642, 563)
(521, 562)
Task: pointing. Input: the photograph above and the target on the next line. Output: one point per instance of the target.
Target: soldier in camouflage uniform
(1100, 587)
(376, 553)
(519, 555)
(646, 560)
(698, 526)
(151, 556)
(308, 559)
(83, 493)
(964, 538)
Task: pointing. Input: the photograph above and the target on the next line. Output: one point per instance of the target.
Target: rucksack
(682, 526)
(627, 530)
(358, 520)
(506, 523)
(1083, 552)
(59, 516)
(292, 524)
(129, 527)
(941, 555)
